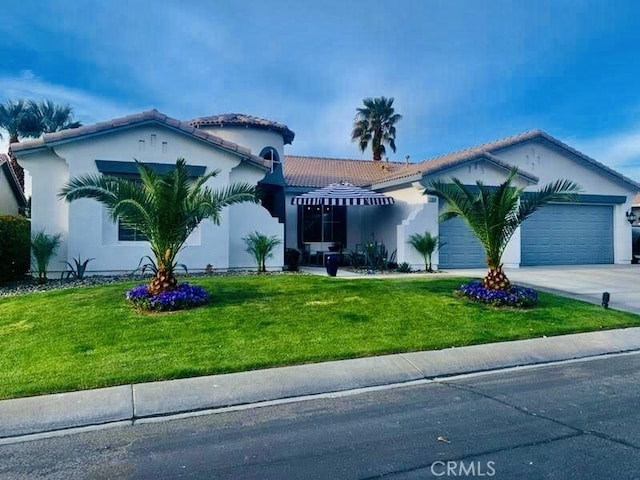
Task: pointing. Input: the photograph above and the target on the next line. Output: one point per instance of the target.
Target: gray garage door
(568, 235)
(461, 249)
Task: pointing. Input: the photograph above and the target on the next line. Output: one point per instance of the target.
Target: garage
(460, 248)
(568, 234)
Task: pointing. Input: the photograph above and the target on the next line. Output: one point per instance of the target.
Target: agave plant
(261, 247)
(495, 213)
(426, 245)
(164, 208)
(43, 247)
(77, 269)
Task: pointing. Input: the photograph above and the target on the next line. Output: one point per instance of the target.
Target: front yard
(90, 337)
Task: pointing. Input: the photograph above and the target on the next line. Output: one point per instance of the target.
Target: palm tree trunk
(496, 279)
(163, 281)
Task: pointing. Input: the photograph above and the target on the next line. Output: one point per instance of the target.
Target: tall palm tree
(494, 213)
(14, 116)
(21, 119)
(165, 208)
(375, 123)
(48, 117)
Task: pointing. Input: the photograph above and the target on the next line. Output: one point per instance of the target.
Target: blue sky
(462, 72)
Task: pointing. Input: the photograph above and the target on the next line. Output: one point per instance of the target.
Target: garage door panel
(460, 248)
(568, 235)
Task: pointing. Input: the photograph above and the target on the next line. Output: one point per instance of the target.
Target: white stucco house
(249, 149)
(150, 137)
(12, 199)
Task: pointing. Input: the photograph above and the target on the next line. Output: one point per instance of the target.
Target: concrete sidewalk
(20, 418)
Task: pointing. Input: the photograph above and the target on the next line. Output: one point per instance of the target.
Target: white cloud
(620, 151)
(88, 108)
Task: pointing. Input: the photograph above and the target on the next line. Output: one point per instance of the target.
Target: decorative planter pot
(331, 264)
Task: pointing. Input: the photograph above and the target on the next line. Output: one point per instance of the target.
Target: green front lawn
(89, 337)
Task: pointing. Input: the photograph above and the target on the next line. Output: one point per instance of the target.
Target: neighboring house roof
(149, 116)
(636, 201)
(6, 167)
(243, 120)
(318, 172)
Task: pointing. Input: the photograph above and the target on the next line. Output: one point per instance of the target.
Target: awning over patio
(342, 193)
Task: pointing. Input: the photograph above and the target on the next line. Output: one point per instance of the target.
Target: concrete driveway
(584, 282)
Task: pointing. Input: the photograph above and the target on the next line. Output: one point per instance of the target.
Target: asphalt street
(578, 420)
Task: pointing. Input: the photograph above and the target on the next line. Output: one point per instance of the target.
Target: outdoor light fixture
(606, 296)
(631, 217)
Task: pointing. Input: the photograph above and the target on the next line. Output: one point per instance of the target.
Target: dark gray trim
(591, 199)
(114, 167)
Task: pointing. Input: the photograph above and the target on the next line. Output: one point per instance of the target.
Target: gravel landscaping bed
(31, 285)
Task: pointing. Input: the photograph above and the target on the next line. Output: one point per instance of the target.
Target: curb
(24, 417)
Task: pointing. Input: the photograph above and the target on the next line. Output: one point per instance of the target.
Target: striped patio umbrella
(342, 193)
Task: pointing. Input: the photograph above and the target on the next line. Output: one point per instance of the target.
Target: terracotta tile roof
(241, 119)
(636, 201)
(5, 164)
(317, 172)
(51, 139)
(452, 159)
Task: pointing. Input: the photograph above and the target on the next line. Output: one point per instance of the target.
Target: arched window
(270, 153)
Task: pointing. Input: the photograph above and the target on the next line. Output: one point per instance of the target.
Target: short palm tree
(425, 244)
(494, 213)
(375, 124)
(164, 208)
(261, 247)
(43, 248)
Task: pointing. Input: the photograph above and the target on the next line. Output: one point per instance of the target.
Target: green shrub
(14, 247)
(292, 260)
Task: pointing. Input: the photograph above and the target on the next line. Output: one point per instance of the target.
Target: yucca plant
(261, 247)
(43, 247)
(426, 245)
(495, 213)
(164, 208)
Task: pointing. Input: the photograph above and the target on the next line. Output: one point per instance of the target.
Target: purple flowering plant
(516, 296)
(183, 297)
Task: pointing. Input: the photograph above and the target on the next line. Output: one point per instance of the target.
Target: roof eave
(14, 184)
(42, 144)
(591, 162)
(396, 182)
